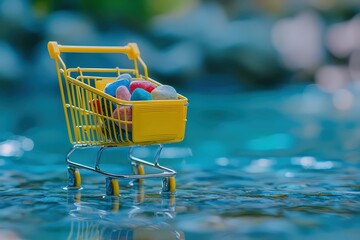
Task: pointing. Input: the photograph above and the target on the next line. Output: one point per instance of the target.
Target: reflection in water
(122, 222)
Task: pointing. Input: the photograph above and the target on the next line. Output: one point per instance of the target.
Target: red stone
(95, 106)
(146, 85)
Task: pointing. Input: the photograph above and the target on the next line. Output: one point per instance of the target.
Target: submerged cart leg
(112, 187)
(74, 196)
(74, 178)
(168, 185)
(140, 194)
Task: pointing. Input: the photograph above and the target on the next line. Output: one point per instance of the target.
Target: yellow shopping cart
(90, 123)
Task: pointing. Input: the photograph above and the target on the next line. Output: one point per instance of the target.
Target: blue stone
(111, 87)
(140, 94)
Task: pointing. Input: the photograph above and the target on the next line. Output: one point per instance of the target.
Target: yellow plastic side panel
(158, 122)
(100, 84)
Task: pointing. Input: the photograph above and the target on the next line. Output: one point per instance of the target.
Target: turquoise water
(266, 165)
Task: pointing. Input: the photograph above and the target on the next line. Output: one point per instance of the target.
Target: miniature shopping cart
(90, 123)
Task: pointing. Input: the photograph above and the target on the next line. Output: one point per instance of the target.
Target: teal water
(280, 164)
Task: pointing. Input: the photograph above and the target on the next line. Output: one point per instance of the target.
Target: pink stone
(120, 110)
(146, 85)
(123, 93)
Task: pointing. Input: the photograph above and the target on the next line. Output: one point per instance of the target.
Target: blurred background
(228, 45)
(306, 53)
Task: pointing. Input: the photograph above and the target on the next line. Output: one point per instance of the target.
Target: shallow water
(265, 165)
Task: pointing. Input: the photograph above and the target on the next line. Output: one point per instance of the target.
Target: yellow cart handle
(55, 49)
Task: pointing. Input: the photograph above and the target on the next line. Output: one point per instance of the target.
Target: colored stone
(125, 76)
(146, 85)
(95, 106)
(119, 116)
(164, 92)
(110, 88)
(123, 93)
(140, 94)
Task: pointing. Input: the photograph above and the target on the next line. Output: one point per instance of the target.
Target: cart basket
(89, 111)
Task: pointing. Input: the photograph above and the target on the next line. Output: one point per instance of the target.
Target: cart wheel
(112, 187)
(169, 185)
(138, 169)
(74, 178)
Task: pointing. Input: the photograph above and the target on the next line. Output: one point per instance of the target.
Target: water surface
(267, 165)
